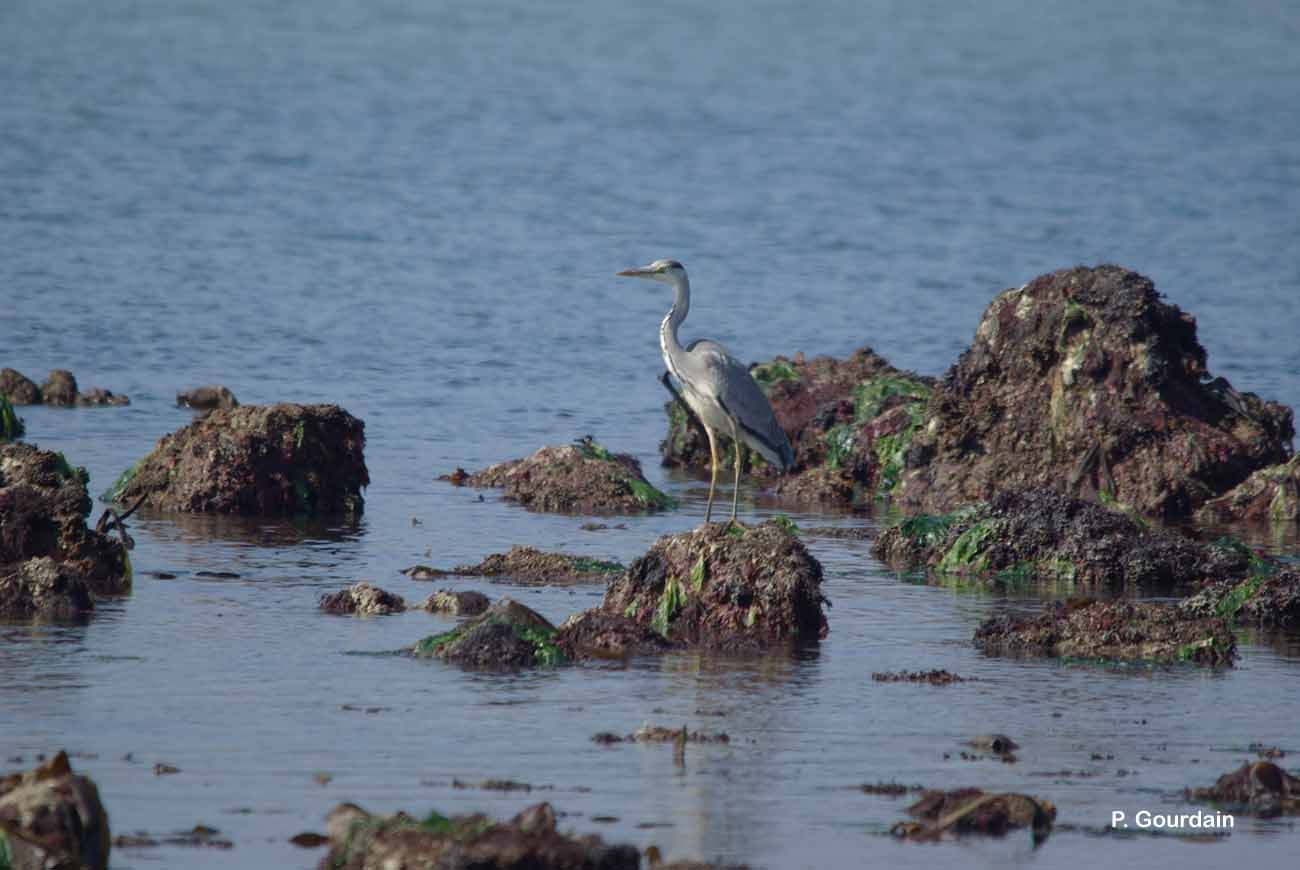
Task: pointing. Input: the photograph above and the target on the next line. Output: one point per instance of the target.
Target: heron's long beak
(636, 272)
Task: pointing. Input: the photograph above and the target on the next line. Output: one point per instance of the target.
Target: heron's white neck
(668, 342)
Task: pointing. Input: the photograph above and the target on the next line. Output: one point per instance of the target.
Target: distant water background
(415, 210)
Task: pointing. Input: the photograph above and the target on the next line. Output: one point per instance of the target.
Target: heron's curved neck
(668, 341)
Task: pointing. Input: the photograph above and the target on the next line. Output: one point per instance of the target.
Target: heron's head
(663, 271)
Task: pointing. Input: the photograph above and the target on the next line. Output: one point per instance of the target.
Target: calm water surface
(415, 209)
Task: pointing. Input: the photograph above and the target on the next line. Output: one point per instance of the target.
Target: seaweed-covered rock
(597, 634)
(359, 840)
(457, 602)
(724, 587)
(209, 398)
(18, 388)
(60, 389)
(255, 460)
(1266, 599)
(1271, 493)
(574, 478)
(1111, 630)
(971, 811)
(1043, 534)
(529, 567)
(43, 510)
(52, 818)
(506, 636)
(850, 423)
(11, 425)
(1084, 380)
(362, 599)
(1260, 788)
(42, 588)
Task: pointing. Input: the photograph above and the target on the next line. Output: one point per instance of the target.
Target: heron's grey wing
(741, 397)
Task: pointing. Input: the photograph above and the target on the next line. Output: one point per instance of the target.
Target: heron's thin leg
(735, 492)
(713, 472)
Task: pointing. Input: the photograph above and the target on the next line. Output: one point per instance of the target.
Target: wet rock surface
(528, 566)
(531, 839)
(43, 510)
(362, 599)
(60, 390)
(1260, 788)
(271, 460)
(1268, 600)
(972, 811)
(574, 478)
(208, 398)
(933, 677)
(506, 636)
(724, 587)
(1041, 534)
(1084, 380)
(53, 818)
(1120, 631)
(43, 589)
(849, 422)
(456, 602)
(1271, 494)
(597, 634)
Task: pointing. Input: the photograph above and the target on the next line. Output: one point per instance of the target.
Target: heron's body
(715, 385)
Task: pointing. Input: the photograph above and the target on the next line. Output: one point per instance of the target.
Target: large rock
(360, 841)
(1271, 494)
(362, 599)
(43, 589)
(724, 587)
(1260, 788)
(972, 811)
(1085, 381)
(51, 819)
(506, 636)
(60, 389)
(573, 478)
(43, 510)
(849, 421)
(1111, 631)
(18, 388)
(1041, 534)
(1266, 599)
(255, 460)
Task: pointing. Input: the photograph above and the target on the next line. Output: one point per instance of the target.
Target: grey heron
(715, 385)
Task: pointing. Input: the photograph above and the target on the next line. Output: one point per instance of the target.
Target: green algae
(700, 573)
(11, 425)
(786, 523)
(871, 396)
(543, 642)
(115, 492)
(586, 564)
(1236, 599)
(68, 472)
(650, 497)
(770, 373)
(671, 602)
(967, 552)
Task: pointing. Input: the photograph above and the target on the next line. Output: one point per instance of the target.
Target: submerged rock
(1042, 534)
(360, 840)
(506, 636)
(1120, 631)
(1271, 494)
(972, 811)
(255, 459)
(724, 587)
(574, 478)
(1267, 600)
(209, 398)
(42, 588)
(1260, 788)
(52, 818)
(456, 602)
(362, 599)
(528, 567)
(18, 388)
(1085, 381)
(43, 510)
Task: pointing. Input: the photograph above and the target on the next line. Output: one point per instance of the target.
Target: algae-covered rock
(359, 841)
(1041, 534)
(528, 566)
(724, 587)
(598, 634)
(52, 818)
(1259, 788)
(362, 599)
(1271, 494)
(506, 636)
(209, 398)
(44, 589)
(18, 388)
(1267, 598)
(43, 510)
(850, 423)
(972, 811)
(268, 460)
(457, 602)
(60, 389)
(1121, 631)
(574, 478)
(1085, 381)
(11, 425)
